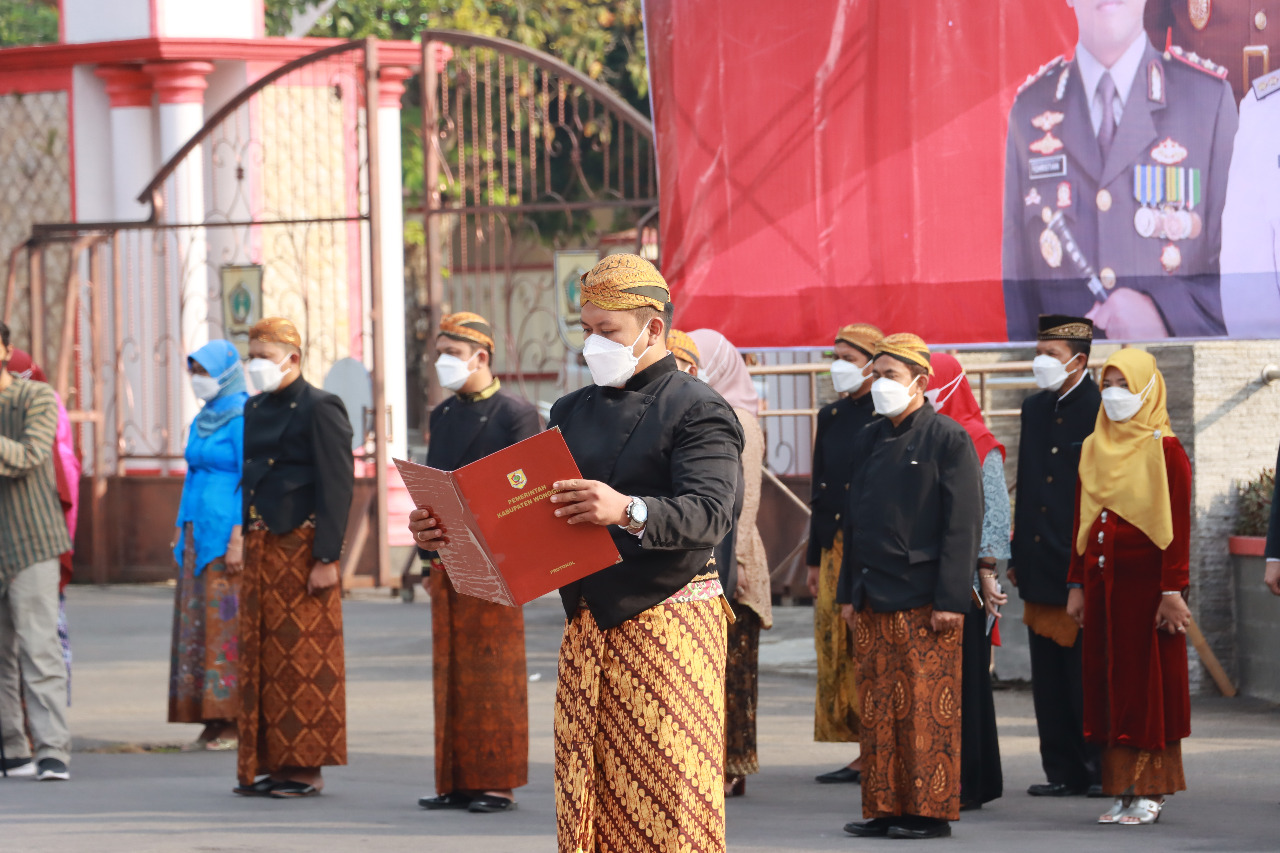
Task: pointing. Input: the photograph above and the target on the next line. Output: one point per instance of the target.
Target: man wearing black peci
(1055, 423)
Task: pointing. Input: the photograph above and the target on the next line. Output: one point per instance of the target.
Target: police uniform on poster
(1243, 36)
(1251, 219)
(1115, 213)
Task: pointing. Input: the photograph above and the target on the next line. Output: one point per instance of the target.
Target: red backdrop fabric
(839, 160)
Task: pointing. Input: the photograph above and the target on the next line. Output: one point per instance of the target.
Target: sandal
(222, 744)
(292, 790)
(1113, 814)
(1144, 812)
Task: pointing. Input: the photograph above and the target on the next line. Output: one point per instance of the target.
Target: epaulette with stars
(1044, 70)
(1196, 61)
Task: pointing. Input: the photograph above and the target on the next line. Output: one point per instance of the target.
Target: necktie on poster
(503, 541)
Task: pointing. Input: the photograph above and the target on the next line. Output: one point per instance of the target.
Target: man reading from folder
(639, 720)
(478, 668)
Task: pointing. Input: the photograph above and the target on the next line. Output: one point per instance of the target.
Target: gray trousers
(31, 662)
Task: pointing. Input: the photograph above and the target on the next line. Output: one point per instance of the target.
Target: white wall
(108, 20)
(207, 18)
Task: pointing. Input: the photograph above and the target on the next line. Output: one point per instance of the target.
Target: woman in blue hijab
(203, 681)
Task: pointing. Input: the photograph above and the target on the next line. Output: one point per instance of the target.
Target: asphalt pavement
(132, 791)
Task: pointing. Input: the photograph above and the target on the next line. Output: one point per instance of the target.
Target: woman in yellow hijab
(1128, 582)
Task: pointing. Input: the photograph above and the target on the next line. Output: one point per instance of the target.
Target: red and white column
(133, 156)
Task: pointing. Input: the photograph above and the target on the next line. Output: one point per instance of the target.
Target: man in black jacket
(1055, 423)
(913, 529)
(639, 724)
(477, 651)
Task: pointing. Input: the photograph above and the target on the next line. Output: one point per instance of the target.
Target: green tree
(28, 22)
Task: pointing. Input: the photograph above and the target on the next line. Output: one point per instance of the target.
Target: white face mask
(891, 397)
(205, 387)
(453, 372)
(846, 376)
(1122, 404)
(612, 364)
(267, 374)
(936, 397)
(1050, 373)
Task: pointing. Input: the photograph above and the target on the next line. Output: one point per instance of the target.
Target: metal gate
(526, 160)
(281, 183)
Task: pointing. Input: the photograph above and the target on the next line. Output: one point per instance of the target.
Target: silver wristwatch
(637, 515)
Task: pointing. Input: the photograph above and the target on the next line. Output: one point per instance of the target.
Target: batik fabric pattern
(639, 732)
(909, 679)
(292, 673)
(480, 684)
(204, 683)
(1131, 772)
(835, 716)
(742, 676)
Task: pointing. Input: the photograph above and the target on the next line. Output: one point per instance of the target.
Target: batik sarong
(909, 683)
(480, 684)
(639, 731)
(203, 682)
(835, 717)
(292, 674)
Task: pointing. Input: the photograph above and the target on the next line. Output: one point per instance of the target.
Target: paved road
(163, 801)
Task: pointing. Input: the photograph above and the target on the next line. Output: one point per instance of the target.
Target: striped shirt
(32, 527)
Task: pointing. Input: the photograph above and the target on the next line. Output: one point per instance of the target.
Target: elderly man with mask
(639, 712)
(912, 530)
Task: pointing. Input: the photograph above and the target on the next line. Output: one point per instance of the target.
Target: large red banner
(838, 161)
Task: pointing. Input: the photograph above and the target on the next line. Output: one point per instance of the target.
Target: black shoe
(921, 828)
(1052, 789)
(843, 775)
(486, 804)
(877, 827)
(1095, 792)
(445, 801)
(260, 788)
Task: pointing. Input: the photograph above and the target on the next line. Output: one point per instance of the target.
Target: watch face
(638, 511)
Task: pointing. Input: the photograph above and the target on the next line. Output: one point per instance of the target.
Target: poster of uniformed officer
(1239, 35)
(1115, 177)
(1251, 220)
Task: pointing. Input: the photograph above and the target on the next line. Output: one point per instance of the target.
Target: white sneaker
(51, 769)
(19, 768)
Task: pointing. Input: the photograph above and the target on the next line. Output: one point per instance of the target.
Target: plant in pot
(1253, 512)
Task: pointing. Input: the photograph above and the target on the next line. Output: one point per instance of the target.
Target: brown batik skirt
(835, 718)
(909, 682)
(481, 688)
(639, 732)
(741, 678)
(293, 677)
(1131, 772)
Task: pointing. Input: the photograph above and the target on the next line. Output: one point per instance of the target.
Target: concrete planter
(1257, 620)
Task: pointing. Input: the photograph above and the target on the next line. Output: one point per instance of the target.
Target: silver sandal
(1143, 812)
(1113, 814)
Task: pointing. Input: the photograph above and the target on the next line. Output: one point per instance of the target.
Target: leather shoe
(1054, 789)
(877, 827)
(445, 801)
(486, 804)
(1095, 792)
(921, 828)
(844, 774)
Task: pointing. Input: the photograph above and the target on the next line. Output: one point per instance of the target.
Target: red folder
(504, 542)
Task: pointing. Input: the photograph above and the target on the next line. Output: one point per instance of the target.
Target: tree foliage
(603, 38)
(27, 22)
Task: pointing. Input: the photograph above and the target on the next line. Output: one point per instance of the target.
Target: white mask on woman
(205, 387)
(453, 372)
(612, 364)
(1122, 404)
(846, 377)
(267, 374)
(938, 397)
(1050, 373)
(891, 397)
